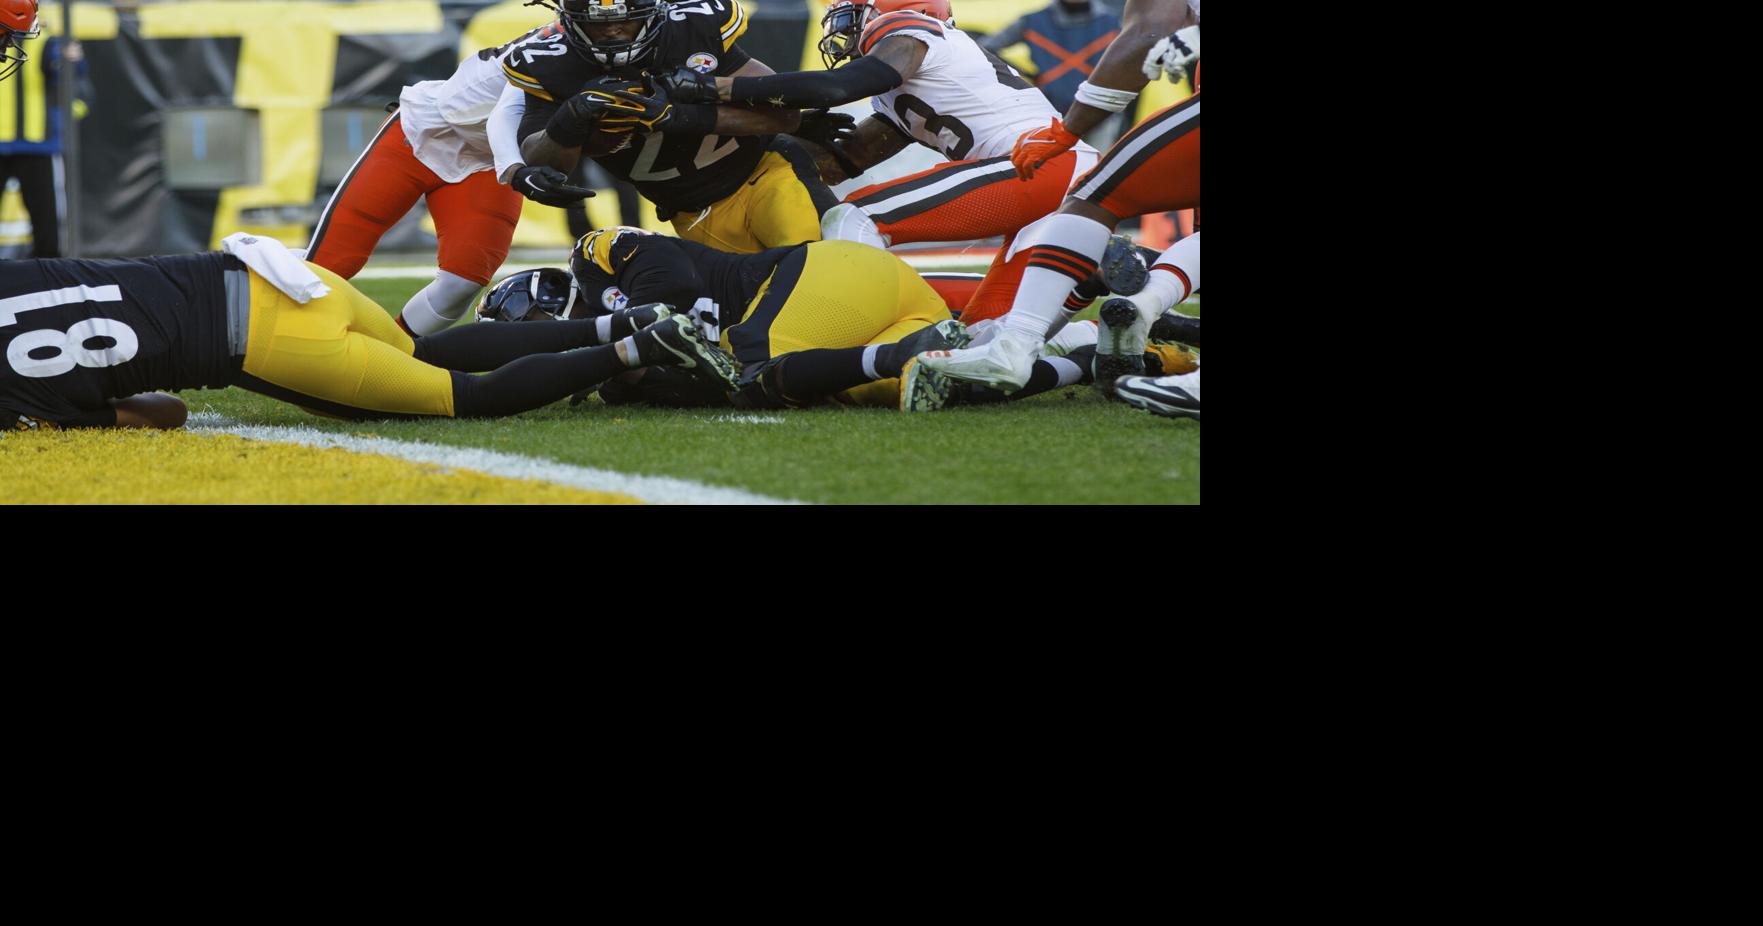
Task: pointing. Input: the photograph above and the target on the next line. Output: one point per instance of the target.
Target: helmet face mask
(840, 28)
(586, 26)
(547, 294)
(18, 22)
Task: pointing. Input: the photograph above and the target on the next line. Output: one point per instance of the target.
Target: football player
(1153, 168)
(18, 22)
(930, 83)
(720, 172)
(439, 147)
(79, 335)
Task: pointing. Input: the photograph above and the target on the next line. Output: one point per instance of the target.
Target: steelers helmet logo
(614, 299)
(702, 62)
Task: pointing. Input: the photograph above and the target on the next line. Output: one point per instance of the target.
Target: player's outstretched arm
(1143, 24)
(894, 61)
(740, 120)
(151, 410)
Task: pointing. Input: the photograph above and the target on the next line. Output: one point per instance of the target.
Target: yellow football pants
(771, 210)
(341, 348)
(845, 295)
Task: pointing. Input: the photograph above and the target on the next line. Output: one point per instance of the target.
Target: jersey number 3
(95, 342)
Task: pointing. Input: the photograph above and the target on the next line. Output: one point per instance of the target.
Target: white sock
(1174, 277)
(629, 352)
(848, 222)
(869, 361)
(603, 328)
(1068, 370)
(1081, 334)
(1050, 277)
(438, 305)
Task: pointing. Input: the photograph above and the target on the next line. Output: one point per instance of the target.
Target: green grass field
(1069, 446)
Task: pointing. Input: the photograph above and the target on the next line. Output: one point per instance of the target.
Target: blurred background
(174, 124)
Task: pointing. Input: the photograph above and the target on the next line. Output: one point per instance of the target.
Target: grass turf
(1069, 446)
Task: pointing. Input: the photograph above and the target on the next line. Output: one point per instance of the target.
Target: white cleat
(1006, 362)
(1169, 396)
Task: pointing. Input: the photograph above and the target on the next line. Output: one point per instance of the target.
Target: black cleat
(1174, 326)
(680, 345)
(1123, 268)
(641, 316)
(945, 335)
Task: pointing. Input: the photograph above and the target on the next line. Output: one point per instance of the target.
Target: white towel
(274, 262)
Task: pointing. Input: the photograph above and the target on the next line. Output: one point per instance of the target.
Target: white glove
(1173, 54)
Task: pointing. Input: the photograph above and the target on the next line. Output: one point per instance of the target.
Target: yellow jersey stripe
(526, 83)
(736, 25)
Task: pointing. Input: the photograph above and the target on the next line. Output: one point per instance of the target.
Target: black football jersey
(77, 333)
(679, 173)
(619, 266)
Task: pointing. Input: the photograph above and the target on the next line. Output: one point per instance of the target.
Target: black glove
(577, 119)
(831, 131)
(548, 186)
(646, 114)
(685, 85)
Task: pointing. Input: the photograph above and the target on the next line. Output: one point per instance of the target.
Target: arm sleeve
(537, 115)
(503, 127)
(864, 77)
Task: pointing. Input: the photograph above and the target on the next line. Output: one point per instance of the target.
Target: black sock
(533, 381)
(1045, 376)
(811, 375)
(484, 346)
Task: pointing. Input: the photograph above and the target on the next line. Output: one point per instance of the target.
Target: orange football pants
(474, 218)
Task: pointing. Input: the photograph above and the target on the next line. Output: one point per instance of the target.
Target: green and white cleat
(922, 389)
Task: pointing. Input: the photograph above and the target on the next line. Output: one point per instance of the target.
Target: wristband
(1105, 98)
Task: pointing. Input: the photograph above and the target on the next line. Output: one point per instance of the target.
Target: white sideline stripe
(751, 419)
(659, 490)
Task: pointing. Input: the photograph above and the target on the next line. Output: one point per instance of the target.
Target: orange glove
(1040, 146)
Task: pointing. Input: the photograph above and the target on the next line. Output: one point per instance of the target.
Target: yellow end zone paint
(175, 467)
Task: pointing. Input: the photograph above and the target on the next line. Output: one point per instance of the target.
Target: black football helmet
(577, 15)
(544, 294)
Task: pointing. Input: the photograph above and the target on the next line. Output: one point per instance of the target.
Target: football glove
(577, 119)
(548, 186)
(626, 110)
(1039, 146)
(685, 85)
(831, 131)
(1173, 55)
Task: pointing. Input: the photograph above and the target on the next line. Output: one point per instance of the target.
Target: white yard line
(660, 490)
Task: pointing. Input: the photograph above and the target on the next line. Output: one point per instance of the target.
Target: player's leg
(964, 200)
(1127, 320)
(1070, 243)
(778, 206)
(342, 355)
(384, 183)
(38, 188)
(474, 222)
(828, 321)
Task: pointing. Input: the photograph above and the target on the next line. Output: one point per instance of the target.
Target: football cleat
(1005, 362)
(1123, 268)
(677, 336)
(1169, 396)
(1174, 326)
(1120, 344)
(921, 389)
(944, 335)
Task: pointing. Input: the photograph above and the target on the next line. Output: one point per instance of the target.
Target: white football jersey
(444, 119)
(963, 101)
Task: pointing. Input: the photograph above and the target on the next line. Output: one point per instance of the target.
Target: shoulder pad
(897, 22)
(610, 248)
(724, 20)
